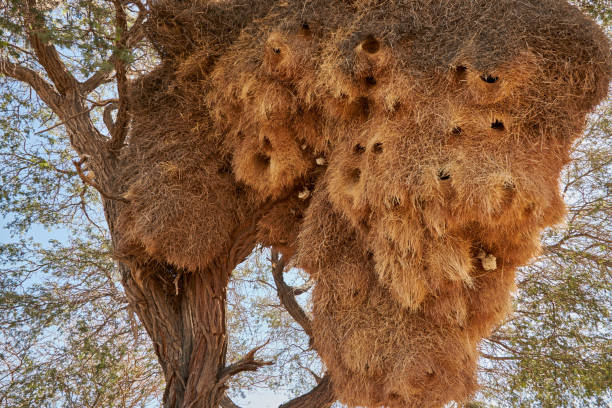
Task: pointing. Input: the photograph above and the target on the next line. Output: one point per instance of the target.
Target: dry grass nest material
(407, 154)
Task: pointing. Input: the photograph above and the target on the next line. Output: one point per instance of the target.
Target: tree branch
(108, 118)
(498, 358)
(101, 76)
(89, 181)
(286, 294)
(105, 74)
(119, 129)
(321, 396)
(226, 402)
(43, 89)
(300, 290)
(246, 363)
(46, 53)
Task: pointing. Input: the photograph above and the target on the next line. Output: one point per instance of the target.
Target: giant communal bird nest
(407, 154)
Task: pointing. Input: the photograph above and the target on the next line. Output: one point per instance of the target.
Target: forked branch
(46, 54)
(43, 89)
(246, 363)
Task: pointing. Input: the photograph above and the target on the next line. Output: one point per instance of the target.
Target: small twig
(84, 209)
(176, 283)
(300, 290)
(88, 180)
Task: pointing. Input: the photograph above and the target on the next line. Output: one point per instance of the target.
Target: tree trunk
(184, 314)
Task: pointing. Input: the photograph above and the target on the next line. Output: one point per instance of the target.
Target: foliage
(555, 350)
(67, 337)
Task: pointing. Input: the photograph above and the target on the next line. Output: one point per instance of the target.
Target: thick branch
(321, 396)
(226, 402)
(44, 90)
(286, 294)
(119, 129)
(101, 76)
(46, 53)
(107, 116)
(89, 181)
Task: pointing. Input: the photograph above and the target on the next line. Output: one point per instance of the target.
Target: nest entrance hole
(359, 149)
(461, 72)
(370, 45)
(377, 148)
(362, 106)
(489, 79)
(262, 161)
(443, 175)
(497, 125)
(266, 143)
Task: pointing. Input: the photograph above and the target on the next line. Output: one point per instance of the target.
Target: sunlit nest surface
(407, 155)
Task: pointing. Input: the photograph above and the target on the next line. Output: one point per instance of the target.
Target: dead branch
(246, 363)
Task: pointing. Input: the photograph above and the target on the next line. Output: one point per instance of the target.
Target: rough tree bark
(183, 313)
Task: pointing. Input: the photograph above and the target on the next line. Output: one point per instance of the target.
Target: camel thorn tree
(406, 164)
